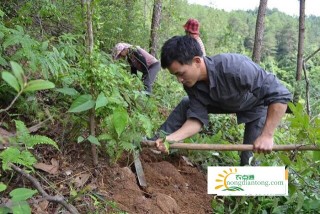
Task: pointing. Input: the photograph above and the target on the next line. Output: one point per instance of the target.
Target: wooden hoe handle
(232, 147)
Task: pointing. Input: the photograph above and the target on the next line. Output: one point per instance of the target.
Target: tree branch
(13, 101)
(37, 185)
(314, 53)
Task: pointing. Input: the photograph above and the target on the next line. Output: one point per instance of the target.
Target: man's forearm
(189, 128)
(274, 115)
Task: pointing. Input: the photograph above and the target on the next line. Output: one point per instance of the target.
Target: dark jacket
(236, 85)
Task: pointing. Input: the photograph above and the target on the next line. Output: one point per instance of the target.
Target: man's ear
(197, 60)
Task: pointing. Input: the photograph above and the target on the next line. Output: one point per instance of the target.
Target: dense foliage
(46, 40)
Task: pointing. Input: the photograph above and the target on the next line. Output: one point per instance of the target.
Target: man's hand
(160, 145)
(263, 144)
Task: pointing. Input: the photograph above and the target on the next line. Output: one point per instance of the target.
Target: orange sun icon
(224, 177)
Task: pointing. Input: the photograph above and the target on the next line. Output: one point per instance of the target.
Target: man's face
(187, 74)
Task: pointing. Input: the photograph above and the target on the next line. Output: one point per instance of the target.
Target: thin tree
(89, 46)
(301, 40)
(258, 38)
(297, 92)
(156, 17)
(307, 80)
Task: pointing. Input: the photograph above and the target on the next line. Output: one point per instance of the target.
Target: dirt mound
(173, 187)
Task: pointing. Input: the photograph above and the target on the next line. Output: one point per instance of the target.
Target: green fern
(33, 140)
(13, 155)
(23, 137)
(128, 146)
(43, 55)
(22, 131)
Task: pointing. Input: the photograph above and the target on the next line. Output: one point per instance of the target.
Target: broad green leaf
(292, 189)
(21, 194)
(20, 207)
(82, 103)
(35, 85)
(2, 187)
(285, 159)
(80, 139)
(18, 73)
(11, 80)
(68, 91)
(3, 62)
(101, 100)
(93, 140)
(311, 204)
(5, 210)
(316, 155)
(120, 120)
(300, 200)
(104, 137)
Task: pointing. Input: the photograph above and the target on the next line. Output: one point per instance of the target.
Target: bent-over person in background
(139, 60)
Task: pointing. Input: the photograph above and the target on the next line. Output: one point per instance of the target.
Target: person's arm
(137, 62)
(189, 128)
(133, 69)
(132, 66)
(264, 142)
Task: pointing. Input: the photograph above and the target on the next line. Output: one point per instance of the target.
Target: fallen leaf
(54, 162)
(44, 204)
(81, 180)
(41, 207)
(51, 169)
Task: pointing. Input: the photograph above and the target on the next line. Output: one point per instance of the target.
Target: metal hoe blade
(139, 169)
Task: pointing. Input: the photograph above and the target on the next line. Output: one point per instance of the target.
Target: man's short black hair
(181, 49)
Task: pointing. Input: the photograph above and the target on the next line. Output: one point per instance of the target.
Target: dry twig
(37, 185)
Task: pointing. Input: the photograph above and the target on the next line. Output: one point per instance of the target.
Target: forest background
(56, 65)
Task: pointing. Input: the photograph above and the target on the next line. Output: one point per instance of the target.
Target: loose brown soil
(173, 185)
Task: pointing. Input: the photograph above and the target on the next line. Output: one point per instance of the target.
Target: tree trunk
(89, 41)
(155, 26)
(258, 38)
(297, 92)
(301, 40)
(89, 37)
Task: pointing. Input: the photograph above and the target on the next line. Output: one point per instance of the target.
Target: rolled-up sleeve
(197, 110)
